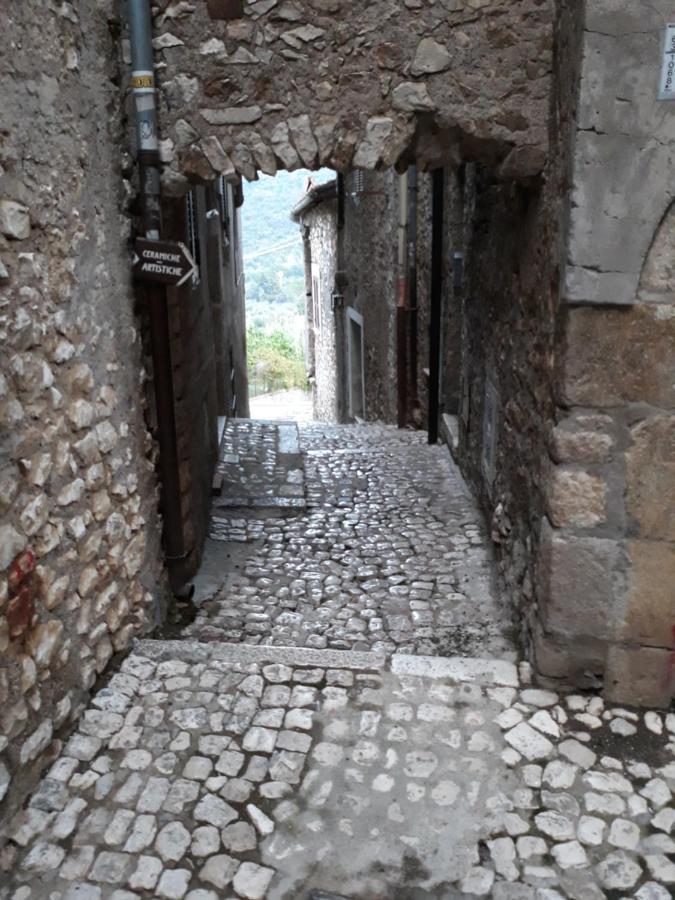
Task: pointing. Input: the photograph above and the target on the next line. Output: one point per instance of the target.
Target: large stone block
(582, 439)
(657, 281)
(640, 676)
(650, 613)
(650, 477)
(578, 662)
(575, 498)
(581, 584)
(616, 356)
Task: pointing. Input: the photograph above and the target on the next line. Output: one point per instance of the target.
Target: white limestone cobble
(245, 807)
(230, 770)
(372, 559)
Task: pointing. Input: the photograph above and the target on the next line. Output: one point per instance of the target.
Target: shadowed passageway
(386, 553)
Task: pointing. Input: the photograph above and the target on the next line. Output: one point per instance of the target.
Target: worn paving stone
(371, 559)
(375, 798)
(298, 753)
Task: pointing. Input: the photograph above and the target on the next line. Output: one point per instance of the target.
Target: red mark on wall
(20, 611)
(22, 588)
(22, 566)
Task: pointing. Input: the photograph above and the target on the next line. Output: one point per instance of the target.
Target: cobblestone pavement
(390, 554)
(224, 771)
(361, 760)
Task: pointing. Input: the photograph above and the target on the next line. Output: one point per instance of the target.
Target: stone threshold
(195, 651)
(460, 669)
(463, 669)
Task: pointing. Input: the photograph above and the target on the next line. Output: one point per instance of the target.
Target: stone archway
(347, 84)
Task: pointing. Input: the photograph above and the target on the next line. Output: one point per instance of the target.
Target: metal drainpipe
(401, 305)
(143, 86)
(412, 284)
(340, 335)
(437, 184)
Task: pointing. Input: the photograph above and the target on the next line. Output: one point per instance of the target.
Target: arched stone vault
(342, 83)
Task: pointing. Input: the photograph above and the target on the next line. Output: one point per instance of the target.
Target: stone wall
(512, 238)
(608, 560)
(342, 83)
(507, 369)
(321, 220)
(79, 536)
(370, 260)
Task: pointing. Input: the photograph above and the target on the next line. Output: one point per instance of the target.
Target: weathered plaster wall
(343, 83)
(77, 483)
(322, 223)
(370, 259)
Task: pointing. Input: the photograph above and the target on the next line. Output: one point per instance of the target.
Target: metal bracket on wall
(457, 272)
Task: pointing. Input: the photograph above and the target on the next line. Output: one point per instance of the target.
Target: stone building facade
(606, 575)
(350, 230)
(558, 358)
(316, 214)
(340, 84)
(80, 560)
(81, 564)
(369, 292)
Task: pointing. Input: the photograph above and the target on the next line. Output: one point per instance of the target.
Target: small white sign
(667, 83)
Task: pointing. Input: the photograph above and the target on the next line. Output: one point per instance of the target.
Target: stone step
(458, 669)
(194, 651)
(261, 467)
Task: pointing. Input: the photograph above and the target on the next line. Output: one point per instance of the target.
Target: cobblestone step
(260, 467)
(457, 669)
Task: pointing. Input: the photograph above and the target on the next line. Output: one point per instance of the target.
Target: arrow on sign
(165, 262)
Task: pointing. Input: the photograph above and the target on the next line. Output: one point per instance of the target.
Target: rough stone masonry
(372, 85)
(340, 84)
(79, 555)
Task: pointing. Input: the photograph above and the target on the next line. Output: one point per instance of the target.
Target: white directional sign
(667, 82)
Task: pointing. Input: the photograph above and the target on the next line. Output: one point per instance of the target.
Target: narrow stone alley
(386, 550)
(346, 717)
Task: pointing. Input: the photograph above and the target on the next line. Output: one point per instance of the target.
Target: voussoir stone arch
(343, 83)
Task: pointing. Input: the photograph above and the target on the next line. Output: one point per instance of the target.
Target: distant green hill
(275, 284)
(267, 207)
(275, 278)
